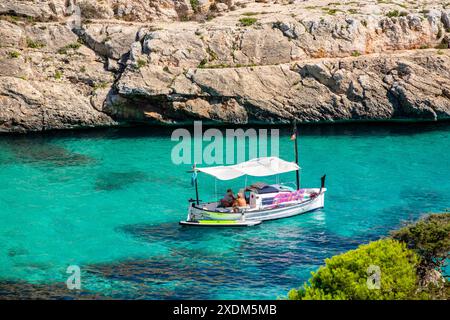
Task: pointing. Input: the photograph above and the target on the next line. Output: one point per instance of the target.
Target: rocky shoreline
(72, 64)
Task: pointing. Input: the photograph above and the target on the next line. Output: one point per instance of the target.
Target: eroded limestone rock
(253, 62)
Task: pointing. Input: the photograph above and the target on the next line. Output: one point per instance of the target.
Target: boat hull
(198, 213)
(220, 223)
(286, 212)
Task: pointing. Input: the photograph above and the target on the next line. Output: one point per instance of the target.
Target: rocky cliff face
(66, 64)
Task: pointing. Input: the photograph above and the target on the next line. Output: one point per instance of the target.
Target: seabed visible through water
(110, 200)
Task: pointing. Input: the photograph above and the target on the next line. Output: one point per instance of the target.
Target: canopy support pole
(196, 191)
(215, 187)
(297, 173)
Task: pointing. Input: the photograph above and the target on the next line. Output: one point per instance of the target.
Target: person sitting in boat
(228, 199)
(240, 201)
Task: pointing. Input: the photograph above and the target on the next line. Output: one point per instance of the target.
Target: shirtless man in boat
(240, 201)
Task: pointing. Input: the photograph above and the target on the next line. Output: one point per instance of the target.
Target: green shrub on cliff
(442, 45)
(140, 63)
(393, 13)
(35, 44)
(410, 265)
(70, 46)
(58, 75)
(247, 21)
(384, 269)
(331, 11)
(100, 85)
(13, 54)
(195, 5)
(430, 238)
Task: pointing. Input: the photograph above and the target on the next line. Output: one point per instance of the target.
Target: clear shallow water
(110, 200)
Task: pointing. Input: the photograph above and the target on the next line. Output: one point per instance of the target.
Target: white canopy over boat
(259, 167)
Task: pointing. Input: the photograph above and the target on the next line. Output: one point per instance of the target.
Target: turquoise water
(110, 200)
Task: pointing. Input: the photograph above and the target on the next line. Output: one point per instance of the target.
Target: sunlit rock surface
(69, 64)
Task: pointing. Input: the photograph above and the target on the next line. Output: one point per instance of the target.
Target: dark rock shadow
(21, 290)
(119, 180)
(40, 151)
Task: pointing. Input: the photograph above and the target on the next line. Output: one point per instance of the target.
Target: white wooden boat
(265, 202)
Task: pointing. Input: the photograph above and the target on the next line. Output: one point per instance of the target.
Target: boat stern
(320, 201)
